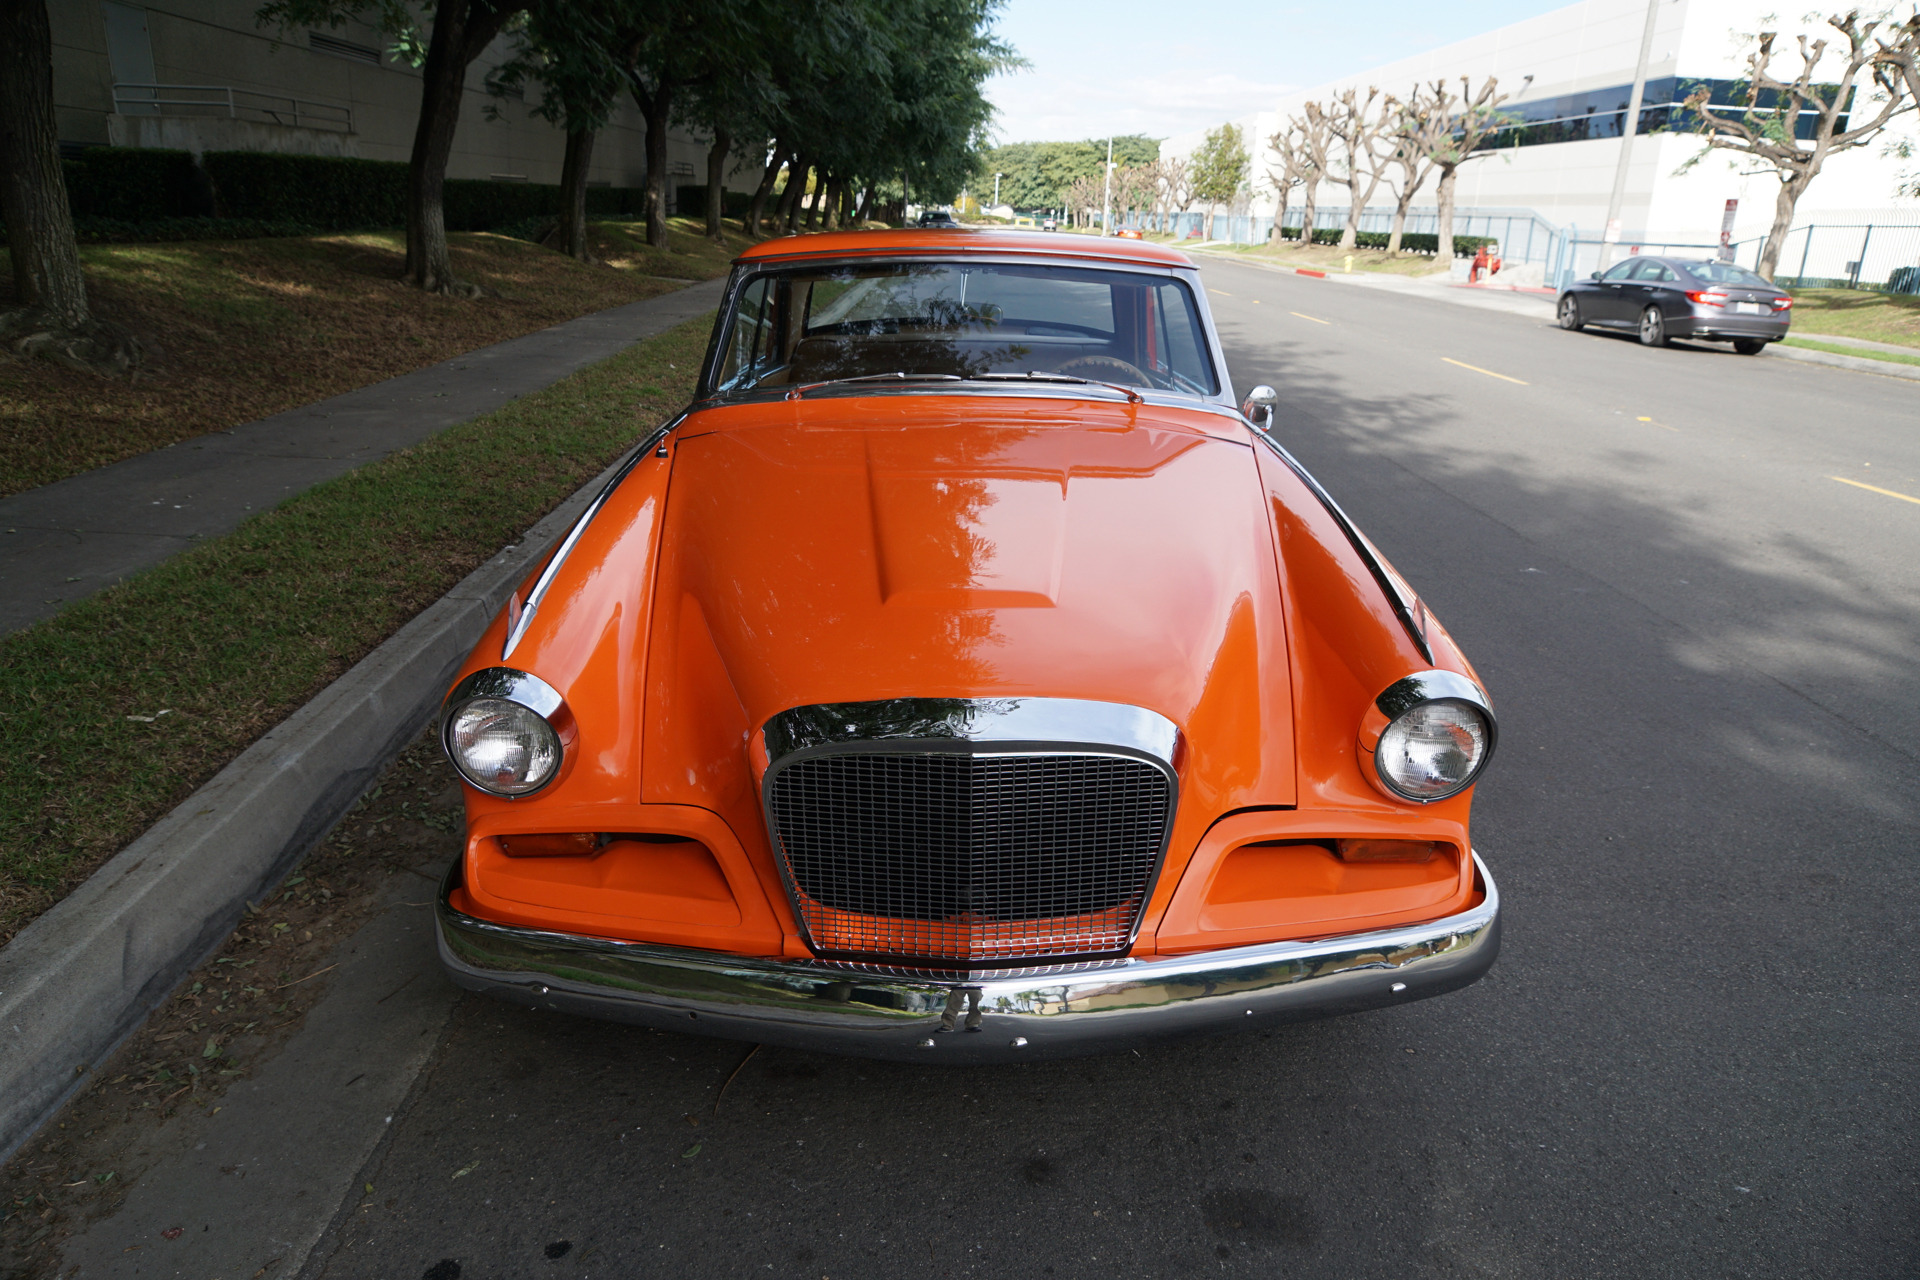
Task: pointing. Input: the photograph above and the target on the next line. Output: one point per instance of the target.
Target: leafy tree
(52, 317)
(461, 30)
(1767, 127)
(1219, 168)
(1037, 174)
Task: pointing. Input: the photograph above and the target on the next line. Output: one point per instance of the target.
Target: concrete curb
(1859, 364)
(82, 977)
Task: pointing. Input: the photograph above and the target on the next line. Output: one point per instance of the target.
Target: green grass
(1859, 313)
(230, 637)
(1863, 352)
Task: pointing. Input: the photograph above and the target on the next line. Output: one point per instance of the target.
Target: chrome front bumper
(985, 1016)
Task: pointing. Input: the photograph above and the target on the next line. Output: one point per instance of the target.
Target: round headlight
(1433, 750)
(502, 746)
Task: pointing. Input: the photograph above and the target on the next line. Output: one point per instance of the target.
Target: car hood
(847, 550)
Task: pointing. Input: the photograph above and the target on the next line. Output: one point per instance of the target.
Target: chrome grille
(969, 857)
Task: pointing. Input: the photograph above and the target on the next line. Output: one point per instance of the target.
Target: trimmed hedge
(135, 184)
(1410, 242)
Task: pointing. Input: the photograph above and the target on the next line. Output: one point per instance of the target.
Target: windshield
(1725, 273)
(967, 320)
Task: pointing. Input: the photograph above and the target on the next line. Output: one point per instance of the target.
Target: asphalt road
(1695, 1058)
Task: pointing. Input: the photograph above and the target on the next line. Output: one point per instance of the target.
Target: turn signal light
(571, 844)
(1707, 297)
(1388, 850)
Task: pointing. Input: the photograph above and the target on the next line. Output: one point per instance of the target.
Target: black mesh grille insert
(969, 857)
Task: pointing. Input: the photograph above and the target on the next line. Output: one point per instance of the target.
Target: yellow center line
(1644, 418)
(1304, 316)
(1874, 488)
(1222, 292)
(1477, 369)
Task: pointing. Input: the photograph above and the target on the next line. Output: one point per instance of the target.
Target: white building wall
(1594, 45)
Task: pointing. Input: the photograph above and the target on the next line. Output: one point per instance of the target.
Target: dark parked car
(1666, 298)
(937, 218)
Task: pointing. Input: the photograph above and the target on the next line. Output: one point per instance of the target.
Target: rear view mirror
(1593, 275)
(1257, 408)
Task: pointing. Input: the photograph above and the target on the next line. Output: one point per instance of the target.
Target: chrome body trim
(1402, 696)
(509, 685)
(972, 1018)
(949, 722)
(521, 617)
(1406, 604)
(972, 726)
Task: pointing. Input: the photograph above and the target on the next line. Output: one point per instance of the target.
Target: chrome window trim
(1406, 604)
(520, 613)
(706, 392)
(979, 727)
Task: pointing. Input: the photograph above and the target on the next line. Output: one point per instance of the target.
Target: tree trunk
(1443, 197)
(796, 191)
(1279, 217)
(1783, 206)
(573, 195)
(51, 317)
(830, 216)
(757, 210)
(716, 183)
(812, 197)
(654, 107)
(1400, 219)
(864, 214)
(461, 29)
(1206, 232)
(1350, 232)
(1307, 215)
(33, 197)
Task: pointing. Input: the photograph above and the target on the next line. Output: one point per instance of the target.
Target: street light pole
(996, 189)
(1631, 126)
(1106, 198)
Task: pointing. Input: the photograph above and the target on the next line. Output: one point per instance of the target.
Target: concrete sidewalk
(67, 540)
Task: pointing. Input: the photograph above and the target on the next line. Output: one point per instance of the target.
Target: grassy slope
(1850, 313)
(245, 328)
(232, 636)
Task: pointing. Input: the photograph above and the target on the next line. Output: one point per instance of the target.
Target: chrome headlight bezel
(506, 684)
(1410, 693)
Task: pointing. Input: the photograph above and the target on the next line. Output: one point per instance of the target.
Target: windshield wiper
(1133, 397)
(795, 393)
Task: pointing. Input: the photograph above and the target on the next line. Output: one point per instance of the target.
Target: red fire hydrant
(1483, 260)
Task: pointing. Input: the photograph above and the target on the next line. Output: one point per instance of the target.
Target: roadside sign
(1726, 231)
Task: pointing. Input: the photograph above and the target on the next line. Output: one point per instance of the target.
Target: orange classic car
(963, 676)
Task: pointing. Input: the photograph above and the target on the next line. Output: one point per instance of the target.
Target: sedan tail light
(1782, 303)
(1707, 297)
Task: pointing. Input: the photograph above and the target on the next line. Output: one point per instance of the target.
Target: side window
(1183, 344)
(1652, 271)
(746, 352)
(1622, 271)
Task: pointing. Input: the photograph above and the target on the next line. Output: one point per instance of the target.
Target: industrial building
(1548, 181)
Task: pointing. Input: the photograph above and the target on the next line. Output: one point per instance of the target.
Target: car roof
(859, 244)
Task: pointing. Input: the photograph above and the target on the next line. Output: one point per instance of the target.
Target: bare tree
(1294, 171)
(1176, 184)
(1315, 132)
(1460, 125)
(1410, 133)
(51, 316)
(1356, 125)
(1768, 127)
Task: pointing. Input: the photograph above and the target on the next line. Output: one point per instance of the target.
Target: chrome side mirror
(1257, 408)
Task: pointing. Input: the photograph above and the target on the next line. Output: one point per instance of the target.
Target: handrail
(235, 104)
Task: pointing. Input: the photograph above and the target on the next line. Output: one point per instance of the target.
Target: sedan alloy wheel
(1653, 328)
(1570, 314)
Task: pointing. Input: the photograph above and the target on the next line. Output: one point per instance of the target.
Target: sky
(1125, 66)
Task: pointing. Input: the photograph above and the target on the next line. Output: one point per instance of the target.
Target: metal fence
(1875, 256)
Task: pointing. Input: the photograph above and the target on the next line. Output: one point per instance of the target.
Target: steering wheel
(1102, 369)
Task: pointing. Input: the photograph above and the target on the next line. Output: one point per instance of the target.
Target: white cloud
(1035, 107)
